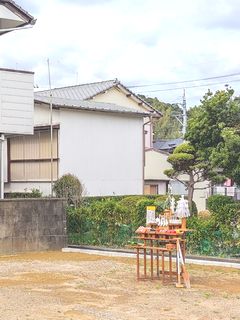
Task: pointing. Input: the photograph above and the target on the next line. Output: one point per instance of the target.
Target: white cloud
(137, 41)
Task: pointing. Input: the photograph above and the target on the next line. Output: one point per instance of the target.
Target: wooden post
(163, 270)
(138, 273)
(170, 265)
(184, 223)
(145, 262)
(151, 251)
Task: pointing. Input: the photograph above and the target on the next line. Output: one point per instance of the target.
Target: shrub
(219, 233)
(226, 212)
(69, 187)
(112, 216)
(202, 239)
(35, 193)
(193, 209)
(130, 203)
(109, 221)
(204, 214)
(217, 202)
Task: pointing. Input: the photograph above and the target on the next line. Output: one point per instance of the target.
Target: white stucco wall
(118, 97)
(104, 150)
(155, 164)
(162, 185)
(148, 132)
(42, 115)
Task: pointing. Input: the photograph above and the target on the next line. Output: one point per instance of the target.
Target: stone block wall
(32, 225)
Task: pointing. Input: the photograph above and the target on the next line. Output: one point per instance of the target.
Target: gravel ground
(56, 285)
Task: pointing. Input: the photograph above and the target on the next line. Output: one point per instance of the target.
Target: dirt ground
(56, 285)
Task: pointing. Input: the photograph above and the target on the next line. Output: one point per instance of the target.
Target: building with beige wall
(156, 182)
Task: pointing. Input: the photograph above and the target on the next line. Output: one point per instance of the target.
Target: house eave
(79, 108)
(20, 12)
(153, 111)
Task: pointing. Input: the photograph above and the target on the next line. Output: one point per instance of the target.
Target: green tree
(185, 160)
(167, 127)
(213, 130)
(227, 154)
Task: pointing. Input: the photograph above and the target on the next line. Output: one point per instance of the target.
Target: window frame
(33, 160)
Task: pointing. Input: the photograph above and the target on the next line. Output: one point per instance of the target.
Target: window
(151, 189)
(30, 156)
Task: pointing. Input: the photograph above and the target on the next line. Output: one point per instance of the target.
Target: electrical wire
(189, 87)
(185, 81)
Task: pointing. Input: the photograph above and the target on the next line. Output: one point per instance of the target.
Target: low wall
(32, 225)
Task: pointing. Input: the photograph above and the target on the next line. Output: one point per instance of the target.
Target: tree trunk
(190, 192)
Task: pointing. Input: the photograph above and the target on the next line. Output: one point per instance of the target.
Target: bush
(225, 210)
(35, 193)
(204, 239)
(101, 223)
(219, 233)
(217, 202)
(69, 187)
(109, 221)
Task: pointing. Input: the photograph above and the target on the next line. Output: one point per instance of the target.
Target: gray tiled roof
(81, 92)
(88, 105)
(90, 90)
(167, 144)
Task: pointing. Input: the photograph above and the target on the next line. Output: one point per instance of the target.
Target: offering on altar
(150, 217)
(182, 211)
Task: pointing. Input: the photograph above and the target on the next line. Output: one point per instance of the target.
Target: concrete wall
(32, 225)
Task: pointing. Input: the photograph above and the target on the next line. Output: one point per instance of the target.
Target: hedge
(218, 234)
(109, 221)
(112, 221)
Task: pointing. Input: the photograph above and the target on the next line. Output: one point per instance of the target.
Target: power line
(189, 87)
(185, 81)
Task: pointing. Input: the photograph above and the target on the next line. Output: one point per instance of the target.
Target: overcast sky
(136, 41)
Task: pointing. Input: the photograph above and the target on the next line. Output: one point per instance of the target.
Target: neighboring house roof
(19, 11)
(88, 105)
(90, 90)
(159, 151)
(167, 145)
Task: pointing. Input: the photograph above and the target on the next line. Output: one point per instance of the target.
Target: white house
(98, 135)
(16, 88)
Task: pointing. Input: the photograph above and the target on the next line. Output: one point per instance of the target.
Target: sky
(140, 42)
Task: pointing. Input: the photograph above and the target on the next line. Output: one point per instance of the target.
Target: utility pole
(184, 109)
(51, 124)
(182, 118)
(1, 166)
